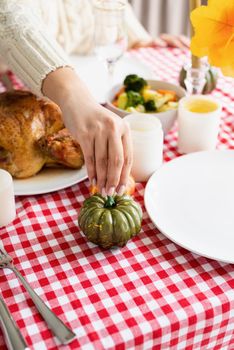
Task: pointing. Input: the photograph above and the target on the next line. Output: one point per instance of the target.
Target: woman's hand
(165, 40)
(180, 41)
(103, 136)
(105, 140)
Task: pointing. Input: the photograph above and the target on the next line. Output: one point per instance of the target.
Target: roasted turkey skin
(27, 125)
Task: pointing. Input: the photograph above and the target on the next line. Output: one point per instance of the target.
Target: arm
(40, 62)
(104, 137)
(26, 46)
(135, 30)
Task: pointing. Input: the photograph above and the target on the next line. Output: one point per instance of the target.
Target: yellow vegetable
(149, 94)
(140, 108)
(131, 109)
(168, 106)
(161, 101)
(122, 100)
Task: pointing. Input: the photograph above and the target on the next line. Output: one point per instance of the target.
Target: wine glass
(195, 77)
(110, 37)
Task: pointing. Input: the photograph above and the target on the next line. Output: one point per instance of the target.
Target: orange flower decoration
(214, 34)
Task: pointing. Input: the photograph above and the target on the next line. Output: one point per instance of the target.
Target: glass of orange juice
(198, 123)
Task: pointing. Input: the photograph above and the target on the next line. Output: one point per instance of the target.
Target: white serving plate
(49, 180)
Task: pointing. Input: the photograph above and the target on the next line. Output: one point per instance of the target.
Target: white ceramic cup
(7, 198)
(198, 131)
(147, 139)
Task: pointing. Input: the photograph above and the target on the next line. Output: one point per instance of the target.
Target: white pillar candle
(7, 199)
(147, 139)
(198, 123)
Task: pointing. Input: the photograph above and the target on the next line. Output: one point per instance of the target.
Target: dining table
(149, 294)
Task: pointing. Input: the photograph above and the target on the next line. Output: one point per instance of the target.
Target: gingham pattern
(151, 294)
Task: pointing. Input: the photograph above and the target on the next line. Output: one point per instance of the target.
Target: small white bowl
(166, 118)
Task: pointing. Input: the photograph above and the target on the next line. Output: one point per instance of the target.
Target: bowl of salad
(137, 95)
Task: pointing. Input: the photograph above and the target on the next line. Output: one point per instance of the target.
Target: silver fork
(13, 337)
(7, 82)
(60, 330)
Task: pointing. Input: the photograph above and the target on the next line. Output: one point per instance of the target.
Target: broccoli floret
(150, 106)
(134, 83)
(134, 99)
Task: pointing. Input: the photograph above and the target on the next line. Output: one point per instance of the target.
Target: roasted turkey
(32, 136)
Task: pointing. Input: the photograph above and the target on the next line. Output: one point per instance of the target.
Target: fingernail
(104, 192)
(111, 191)
(121, 190)
(93, 182)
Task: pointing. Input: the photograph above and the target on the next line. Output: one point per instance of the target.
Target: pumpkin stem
(110, 202)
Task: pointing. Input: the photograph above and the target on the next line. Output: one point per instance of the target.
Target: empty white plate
(191, 201)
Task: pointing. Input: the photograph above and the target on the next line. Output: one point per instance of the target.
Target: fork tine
(2, 250)
(5, 258)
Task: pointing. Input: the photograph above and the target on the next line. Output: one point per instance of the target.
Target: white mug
(198, 131)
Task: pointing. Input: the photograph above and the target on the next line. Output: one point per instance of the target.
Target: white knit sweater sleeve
(26, 45)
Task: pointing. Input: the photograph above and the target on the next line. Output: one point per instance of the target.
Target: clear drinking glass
(110, 37)
(195, 78)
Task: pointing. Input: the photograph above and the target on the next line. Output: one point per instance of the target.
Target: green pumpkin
(110, 221)
(211, 79)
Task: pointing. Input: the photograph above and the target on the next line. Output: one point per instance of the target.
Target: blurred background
(163, 16)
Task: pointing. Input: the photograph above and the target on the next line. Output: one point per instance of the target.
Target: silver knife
(13, 337)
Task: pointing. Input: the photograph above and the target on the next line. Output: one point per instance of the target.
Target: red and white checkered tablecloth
(151, 294)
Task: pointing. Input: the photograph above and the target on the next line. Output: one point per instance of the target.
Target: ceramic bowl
(167, 118)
